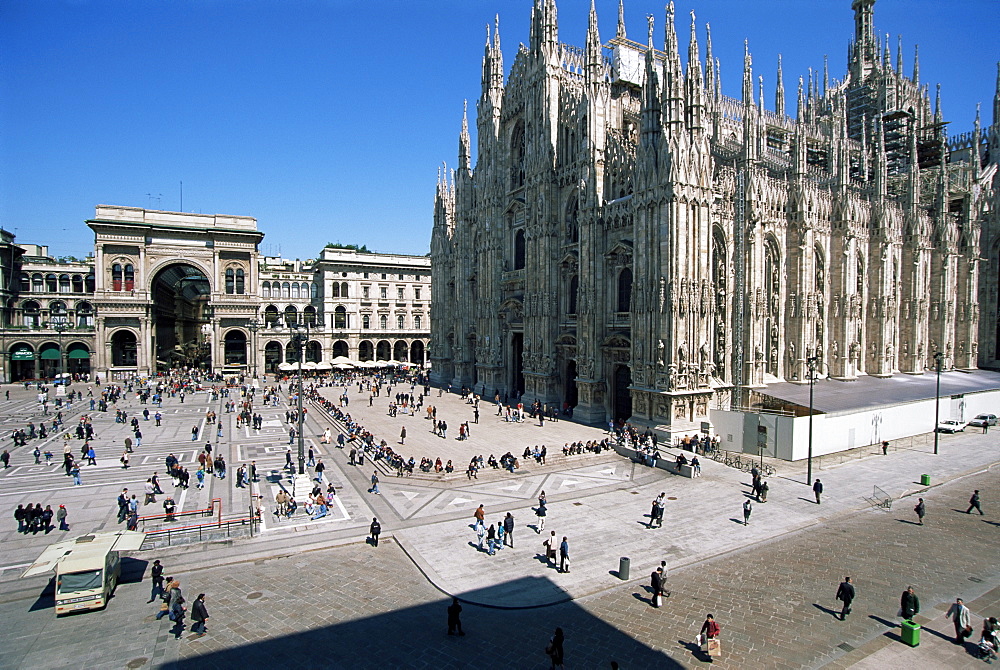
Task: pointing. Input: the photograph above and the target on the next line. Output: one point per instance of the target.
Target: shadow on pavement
(400, 638)
(835, 614)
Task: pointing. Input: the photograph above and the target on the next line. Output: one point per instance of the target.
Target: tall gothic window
(116, 277)
(574, 289)
(340, 317)
(517, 156)
(383, 322)
(625, 290)
(129, 277)
(399, 322)
(230, 281)
(519, 250)
(240, 282)
(572, 220)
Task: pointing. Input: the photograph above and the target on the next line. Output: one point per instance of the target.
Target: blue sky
(327, 120)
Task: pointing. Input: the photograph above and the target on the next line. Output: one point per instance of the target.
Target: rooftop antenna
(156, 197)
(182, 196)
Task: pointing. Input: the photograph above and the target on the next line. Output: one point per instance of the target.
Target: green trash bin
(925, 480)
(910, 633)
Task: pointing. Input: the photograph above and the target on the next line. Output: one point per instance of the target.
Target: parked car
(951, 426)
(984, 420)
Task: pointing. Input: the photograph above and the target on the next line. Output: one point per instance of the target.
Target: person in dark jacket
(555, 649)
(909, 604)
(656, 584)
(845, 594)
(375, 529)
(508, 529)
(199, 614)
(454, 622)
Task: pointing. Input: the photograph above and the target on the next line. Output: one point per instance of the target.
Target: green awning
(78, 353)
(50, 355)
(22, 355)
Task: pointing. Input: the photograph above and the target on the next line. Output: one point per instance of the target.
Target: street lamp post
(938, 359)
(812, 362)
(302, 341)
(60, 327)
(253, 327)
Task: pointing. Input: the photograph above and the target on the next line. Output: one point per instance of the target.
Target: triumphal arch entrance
(173, 290)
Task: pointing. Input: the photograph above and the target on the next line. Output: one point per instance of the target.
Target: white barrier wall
(787, 438)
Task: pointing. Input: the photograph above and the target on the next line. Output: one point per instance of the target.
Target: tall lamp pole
(938, 359)
(60, 327)
(812, 361)
(253, 327)
(302, 341)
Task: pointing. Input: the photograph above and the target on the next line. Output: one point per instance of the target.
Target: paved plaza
(315, 594)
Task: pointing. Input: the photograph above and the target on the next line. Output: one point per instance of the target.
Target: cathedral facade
(637, 245)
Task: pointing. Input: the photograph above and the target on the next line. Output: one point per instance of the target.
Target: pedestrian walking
(845, 594)
(656, 585)
(656, 514)
(564, 555)
(199, 614)
(710, 630)
(508, 529)
(962, 618)
(454, 622)
(818, 489)
(974, 502)
(885, 447)
(909, 604)
(156, 576)
(320, 467)
(550, 548)
(747, 509)
(921, 510)
(480, 515)
(374, 530)
(374, 488)
(764, 488)
(61, 515)
(541, 513)
(554, 649)
(402, 435)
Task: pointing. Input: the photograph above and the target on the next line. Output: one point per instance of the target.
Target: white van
(87, 568)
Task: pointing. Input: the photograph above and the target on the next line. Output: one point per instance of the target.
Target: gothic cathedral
(636, 245)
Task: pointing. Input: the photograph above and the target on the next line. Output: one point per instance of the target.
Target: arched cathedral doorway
(621, 400)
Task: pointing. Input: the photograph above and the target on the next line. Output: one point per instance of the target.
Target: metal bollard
(623, 568)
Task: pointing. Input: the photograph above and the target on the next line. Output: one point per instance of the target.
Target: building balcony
(619, 320)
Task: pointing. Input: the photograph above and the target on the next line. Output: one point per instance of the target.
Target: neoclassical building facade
(636, 244)
(165, 290)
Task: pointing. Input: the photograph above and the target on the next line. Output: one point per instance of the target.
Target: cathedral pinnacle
(464, 142)
(747, 75)
(996, 101)
(779, 92)
(621, 20)
(916, 64)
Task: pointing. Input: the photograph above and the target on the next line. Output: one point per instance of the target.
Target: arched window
(519, 250)
(574, 288)
(51, 283)
(336, 290)
(343, 289)
(240, 282)
(116, 277)
(88, 283)
(129, 277)
(230, 281)
(64, 285)
(625, 290)
(399, 322)
(309, 315)
(286, 289)
(416, 322)
(340, 317)
(270, 315)
(265, 290)
(366, 322)
(314, 290)
(25, 282)
(383, 322)
(517, 153)
(37, 283)
(291, 316)
(77, 283)
(32, 314)
(295, 290)
(84, 315)
(57, 311)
